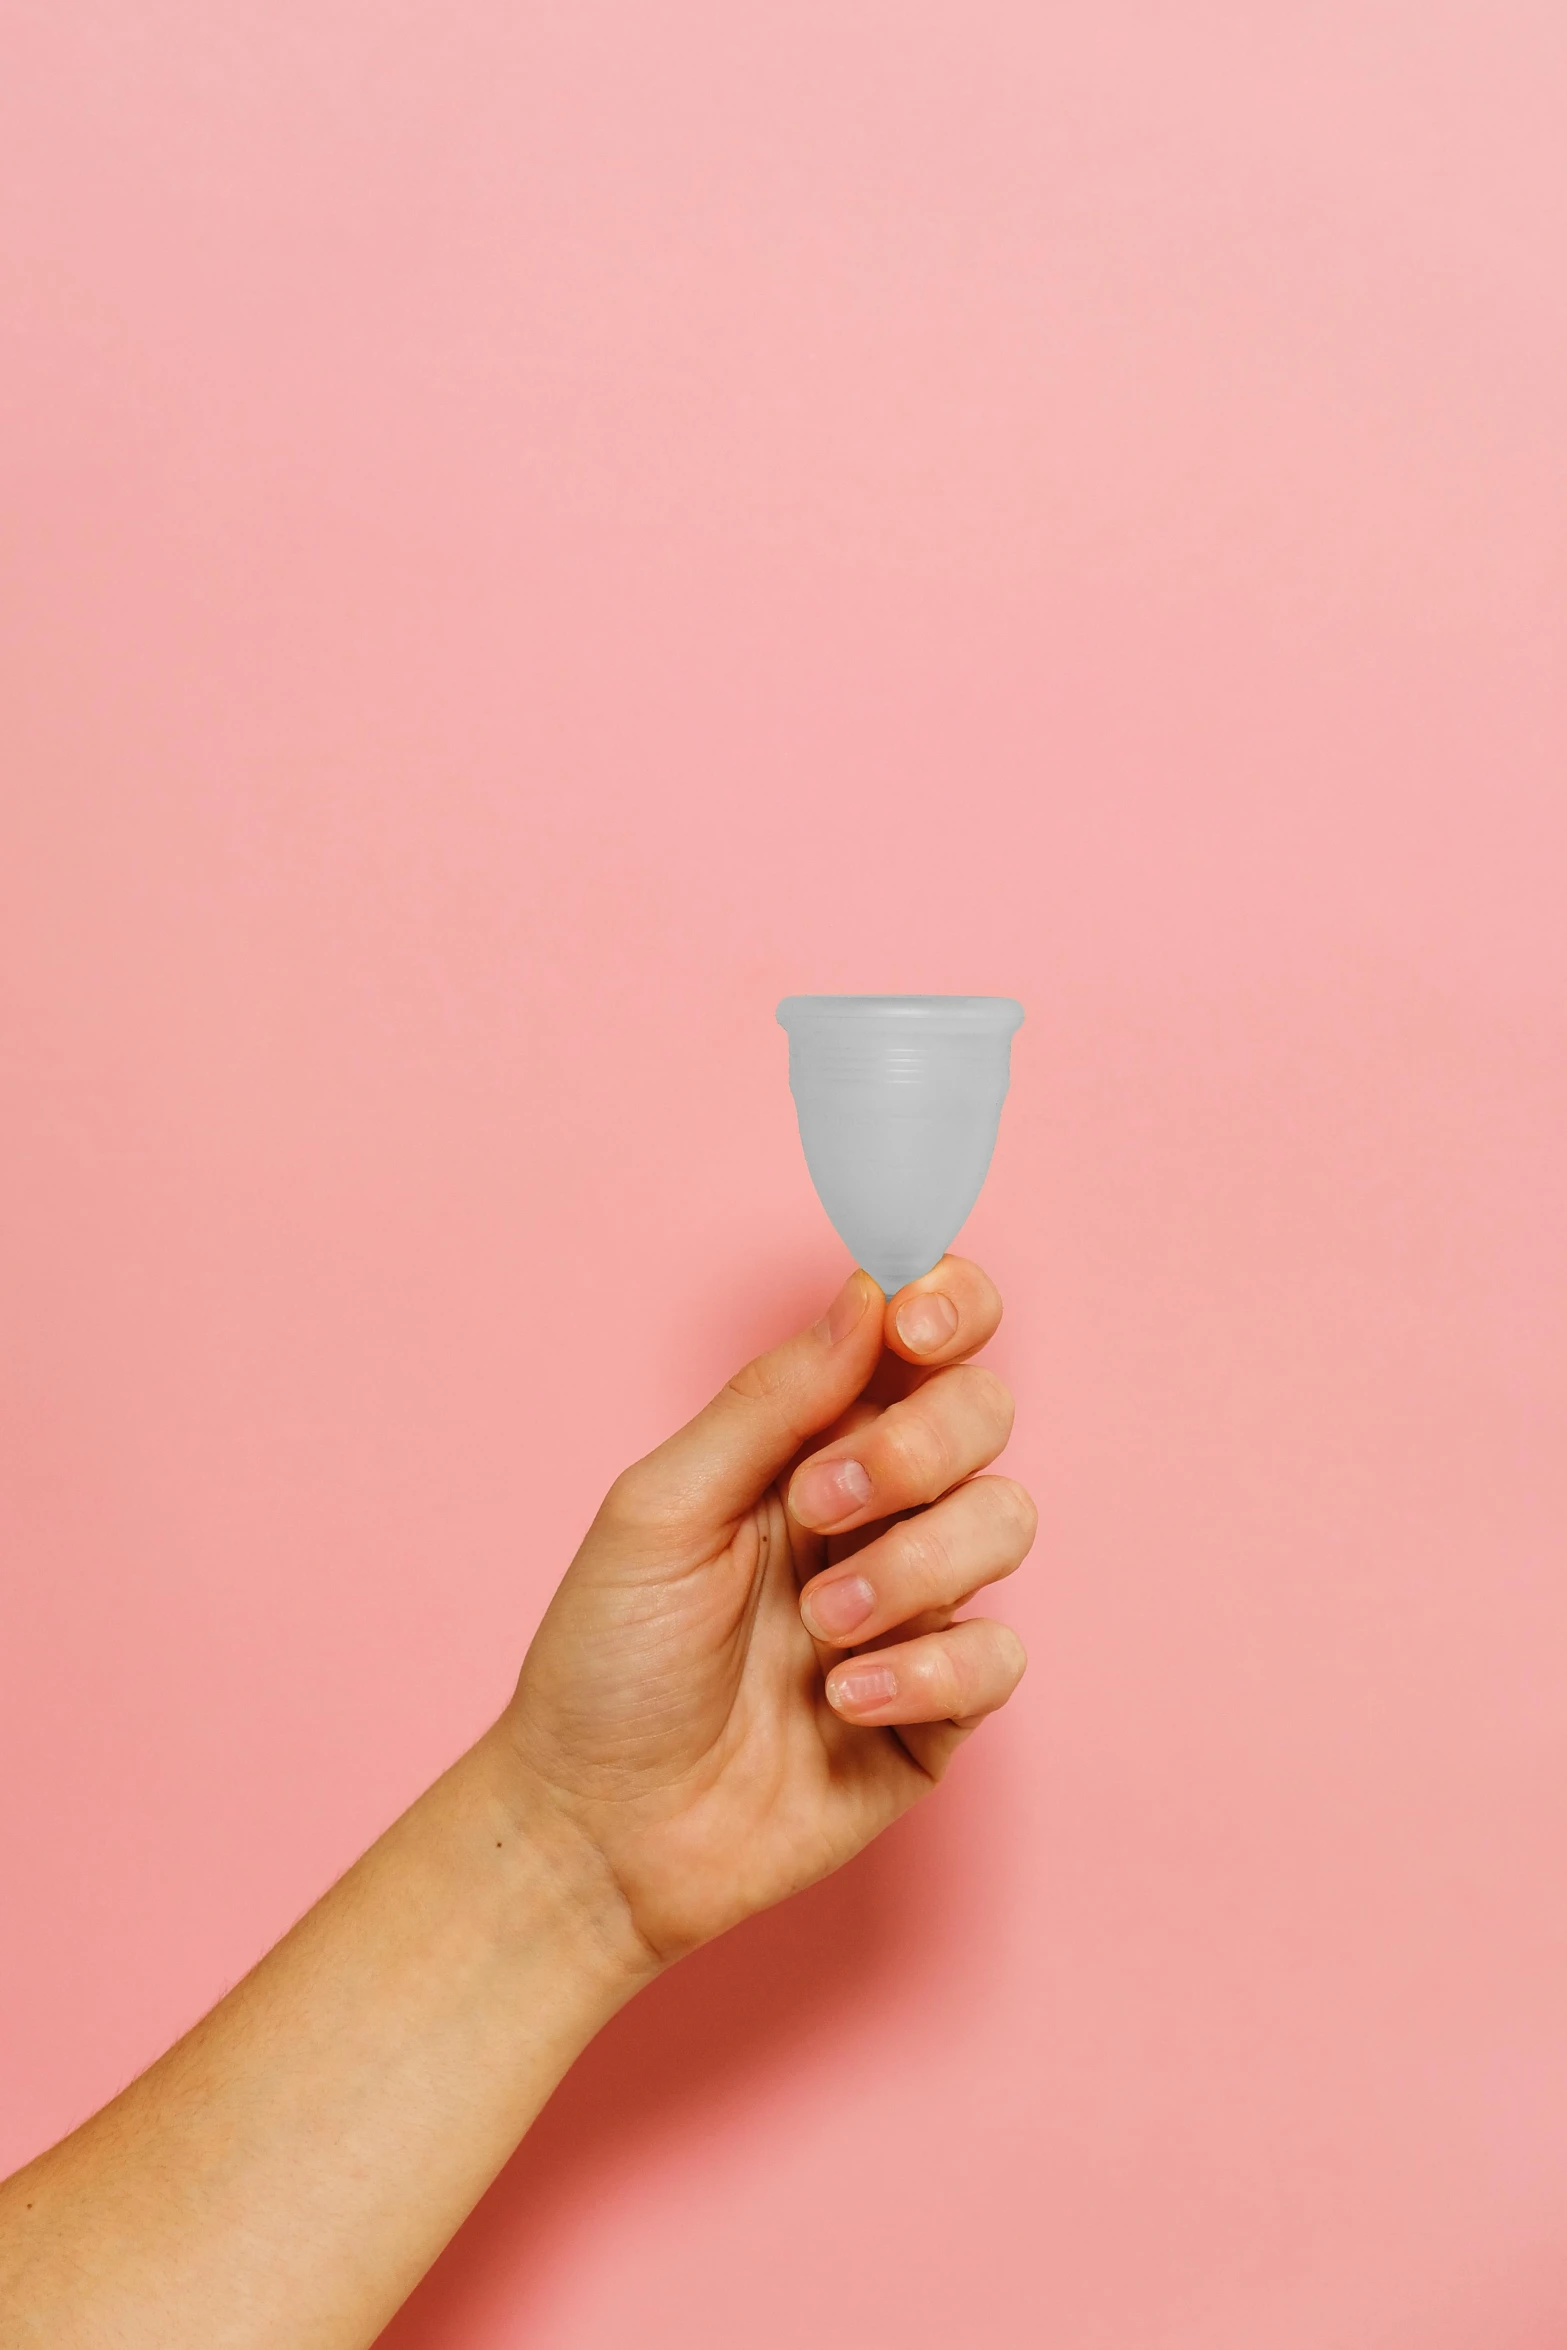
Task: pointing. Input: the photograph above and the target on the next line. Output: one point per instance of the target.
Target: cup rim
(1003, 1013)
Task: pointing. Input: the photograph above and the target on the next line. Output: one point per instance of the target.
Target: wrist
(554, 1886)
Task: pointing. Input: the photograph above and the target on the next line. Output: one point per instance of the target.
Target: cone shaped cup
(898, 1099)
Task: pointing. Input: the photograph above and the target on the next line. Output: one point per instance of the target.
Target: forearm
(288, 2171)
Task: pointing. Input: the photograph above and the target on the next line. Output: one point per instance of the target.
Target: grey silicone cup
(898, 1098)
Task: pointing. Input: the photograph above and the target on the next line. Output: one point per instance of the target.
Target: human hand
(699, 1729)
(752, 1666)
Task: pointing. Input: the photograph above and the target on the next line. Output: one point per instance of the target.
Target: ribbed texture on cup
(898, 1098)
(960, 1041)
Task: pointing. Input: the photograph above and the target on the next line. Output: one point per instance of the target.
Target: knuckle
(981, 1298)
(1011, 1655)
(989, 1396)
(922, 1562)
(917, 1452)
(945, 1680)
(757, 1381)
(625, 1496)
(987, 1660)
(1019, 1511)
(642, 1501)
(766, 1389)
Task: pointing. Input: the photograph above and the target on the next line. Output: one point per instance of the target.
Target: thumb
(720, 1464)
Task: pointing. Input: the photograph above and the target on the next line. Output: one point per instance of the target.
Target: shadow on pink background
(531, 534)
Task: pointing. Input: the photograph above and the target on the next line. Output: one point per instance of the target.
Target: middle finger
(955, 1423)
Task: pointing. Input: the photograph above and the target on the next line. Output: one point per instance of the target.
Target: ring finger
(934, 1560)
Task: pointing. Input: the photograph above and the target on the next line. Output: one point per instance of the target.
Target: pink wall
(532, 532)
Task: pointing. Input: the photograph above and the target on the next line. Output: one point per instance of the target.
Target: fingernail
(835, 1608)
(866, 1686)
(844, 1312)
(926, 1322)
(825, 1491)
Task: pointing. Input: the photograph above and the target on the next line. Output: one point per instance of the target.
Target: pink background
(533, 531)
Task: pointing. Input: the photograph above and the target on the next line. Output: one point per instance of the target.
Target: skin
(751, 1667)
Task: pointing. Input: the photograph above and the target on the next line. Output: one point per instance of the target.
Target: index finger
(947, 1314)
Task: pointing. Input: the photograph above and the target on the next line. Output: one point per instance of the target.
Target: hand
(749, 1669)
(752, 1666)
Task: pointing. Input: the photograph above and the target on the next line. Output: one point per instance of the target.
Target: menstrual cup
(898, 1099)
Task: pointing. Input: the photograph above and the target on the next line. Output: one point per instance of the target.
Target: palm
(709, 1767)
